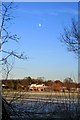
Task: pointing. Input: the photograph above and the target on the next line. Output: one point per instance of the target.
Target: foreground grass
(26, 95)
(39, 109)
(38, 92)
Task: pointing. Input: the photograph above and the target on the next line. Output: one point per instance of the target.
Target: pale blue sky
(39, 25)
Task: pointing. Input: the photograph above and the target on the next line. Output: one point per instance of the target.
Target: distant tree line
(57, 85)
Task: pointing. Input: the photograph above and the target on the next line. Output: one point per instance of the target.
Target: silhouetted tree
(71, 37)
(7, 60)
(6, 37)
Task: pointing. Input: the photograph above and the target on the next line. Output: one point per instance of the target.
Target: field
(25, 95)
(43, 105)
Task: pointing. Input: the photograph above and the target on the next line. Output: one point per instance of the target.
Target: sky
(41, 0)
(39, 25)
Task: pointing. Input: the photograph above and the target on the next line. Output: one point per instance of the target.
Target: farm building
(39, 87)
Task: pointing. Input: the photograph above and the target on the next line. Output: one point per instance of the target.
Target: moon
(39, 24)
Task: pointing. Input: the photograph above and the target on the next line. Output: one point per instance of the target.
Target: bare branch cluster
(7, 37)
(71, 37)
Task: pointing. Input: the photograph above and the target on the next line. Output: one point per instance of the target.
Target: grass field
(43, 105)
(21, 95)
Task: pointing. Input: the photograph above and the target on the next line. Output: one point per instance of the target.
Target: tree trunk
(5, 114)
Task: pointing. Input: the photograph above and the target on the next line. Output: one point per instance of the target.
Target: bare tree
(7, 56)
(71, 37)
(6, 37)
